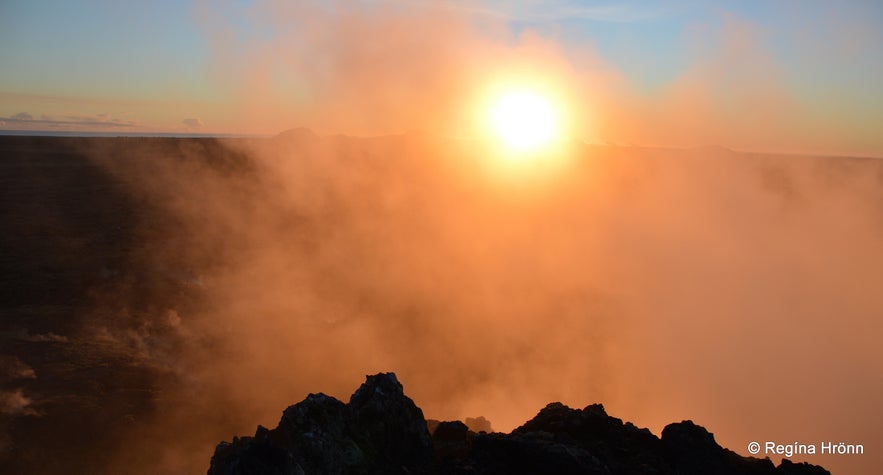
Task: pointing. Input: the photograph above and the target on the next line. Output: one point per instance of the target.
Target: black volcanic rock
(451, 441)
(693, 450)
(382, 431)
(387, 425)
(788, 467)
(379, 431)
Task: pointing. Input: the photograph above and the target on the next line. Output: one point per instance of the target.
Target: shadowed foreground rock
(382, 431)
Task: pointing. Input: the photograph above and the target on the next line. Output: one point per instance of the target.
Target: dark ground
(74, 278)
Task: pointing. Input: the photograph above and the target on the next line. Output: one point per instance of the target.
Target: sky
(779, 76)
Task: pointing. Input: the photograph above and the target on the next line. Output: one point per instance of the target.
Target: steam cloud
(729, 288)
(671, 284)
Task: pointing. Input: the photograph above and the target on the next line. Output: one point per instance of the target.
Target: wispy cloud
(26, 121)
(557, 10)
(195, 123)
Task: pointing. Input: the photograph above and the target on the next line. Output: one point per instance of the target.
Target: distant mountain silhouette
(298, 134)
(382, 431)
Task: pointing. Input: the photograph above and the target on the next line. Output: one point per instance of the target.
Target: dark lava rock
(382, 431)
(387, 425)
(451, 441)
(788, 467)
(693, 450)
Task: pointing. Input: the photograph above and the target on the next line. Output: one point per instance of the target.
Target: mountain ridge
(381, 431)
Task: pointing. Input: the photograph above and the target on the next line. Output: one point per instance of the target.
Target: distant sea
(66, 133)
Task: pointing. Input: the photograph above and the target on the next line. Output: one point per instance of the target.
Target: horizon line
(210, 135)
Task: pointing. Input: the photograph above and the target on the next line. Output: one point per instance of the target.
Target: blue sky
(67, 47)
(155, 64)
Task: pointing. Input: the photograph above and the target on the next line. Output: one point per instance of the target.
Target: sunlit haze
(669, 208)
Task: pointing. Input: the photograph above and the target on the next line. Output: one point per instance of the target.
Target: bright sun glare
(523, 120)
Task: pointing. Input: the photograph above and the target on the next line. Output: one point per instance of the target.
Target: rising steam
(668, 284)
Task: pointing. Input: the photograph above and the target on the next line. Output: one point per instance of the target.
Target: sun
(522, 126)
(523, 120)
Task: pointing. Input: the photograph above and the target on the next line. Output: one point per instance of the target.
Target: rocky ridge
(382, 431)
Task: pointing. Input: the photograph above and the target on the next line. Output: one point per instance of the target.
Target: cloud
(427, 66)
(308, 64)
(666, 284)
(733, 94)
(557, 10)
(340, 68)
(25, 121)
(532, 11)
(193, 123)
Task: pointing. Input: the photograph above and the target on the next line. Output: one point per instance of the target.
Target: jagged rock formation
(379, 431)
(382, 431)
